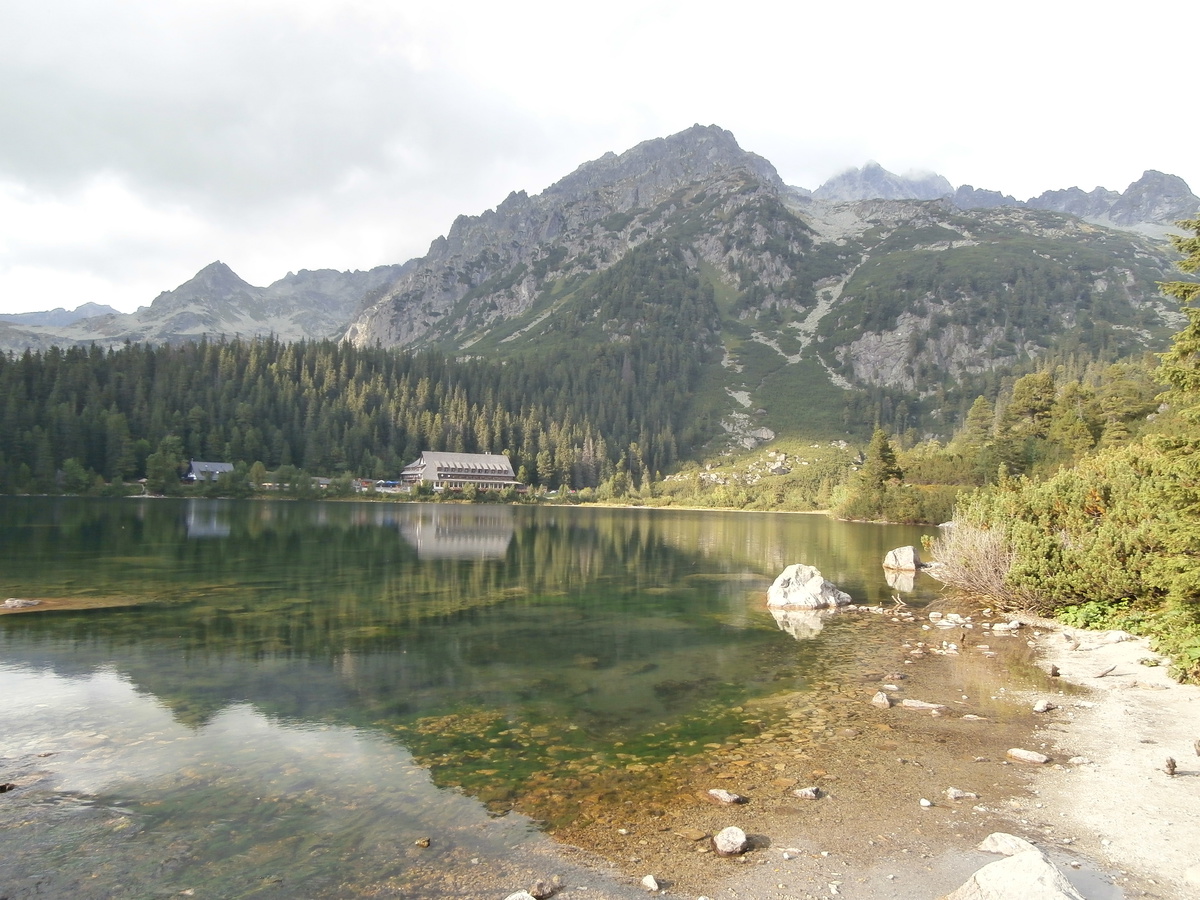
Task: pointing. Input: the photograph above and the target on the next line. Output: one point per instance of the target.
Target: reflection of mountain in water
(205, 520)
(460, 532)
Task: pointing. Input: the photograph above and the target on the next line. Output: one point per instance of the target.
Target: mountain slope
(812, 315)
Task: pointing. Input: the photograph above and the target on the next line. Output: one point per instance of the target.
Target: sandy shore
(1104, 809)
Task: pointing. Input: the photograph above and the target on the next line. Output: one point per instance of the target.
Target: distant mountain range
(56, 318)
(305, 304)
(875, 290)
(1152, 204)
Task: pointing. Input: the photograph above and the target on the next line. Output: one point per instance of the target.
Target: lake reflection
(434, 646)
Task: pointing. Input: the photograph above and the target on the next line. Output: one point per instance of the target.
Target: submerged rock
(805, 587)
(909, 703)
(720, 795)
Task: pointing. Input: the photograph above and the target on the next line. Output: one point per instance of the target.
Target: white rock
(723, 796)
(1117, 637)
(954, 793)
(1028, 876)
(1005, 844)
(649, 883)
(730, 841)
(805, 587)
(882, 700)
(808, 793)
(1043, 706)
(1027, 756)
(926, 803)
(903, 559)
(520, 895)
(909, 703)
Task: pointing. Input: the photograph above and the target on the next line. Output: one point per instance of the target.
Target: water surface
(297, 693)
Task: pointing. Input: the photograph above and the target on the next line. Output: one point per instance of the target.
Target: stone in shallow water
(909, 703)
(805, 587)
(808, 793)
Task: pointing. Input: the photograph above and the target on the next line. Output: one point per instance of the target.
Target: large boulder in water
(902, 559)
(806, 588)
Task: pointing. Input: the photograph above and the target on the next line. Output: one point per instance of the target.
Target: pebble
(926, 803)
(909, 703)
(1027, 756)
(1043, 706)
(808, 793)
(649, 883)
(882, 700)
(954, 793)
(723, 796)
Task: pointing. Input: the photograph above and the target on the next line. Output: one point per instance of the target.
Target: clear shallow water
(304, 690)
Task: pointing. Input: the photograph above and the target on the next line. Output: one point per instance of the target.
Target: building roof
(496, 464)
(197, 466)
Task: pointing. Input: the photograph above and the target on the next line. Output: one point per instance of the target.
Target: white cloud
(145, 139)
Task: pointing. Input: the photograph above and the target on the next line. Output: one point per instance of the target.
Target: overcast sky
(141, 140)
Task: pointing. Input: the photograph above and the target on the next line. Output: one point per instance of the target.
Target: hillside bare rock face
(580, 224)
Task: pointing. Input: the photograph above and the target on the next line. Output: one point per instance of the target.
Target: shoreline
(1104, 810)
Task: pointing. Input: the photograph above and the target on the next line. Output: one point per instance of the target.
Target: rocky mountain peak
(656, 167)
(216, 280)
(874, 182)
(1155, 197)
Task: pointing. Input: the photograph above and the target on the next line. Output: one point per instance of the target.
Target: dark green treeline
(564, 417)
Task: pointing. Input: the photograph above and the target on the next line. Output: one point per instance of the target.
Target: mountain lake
(358, 699)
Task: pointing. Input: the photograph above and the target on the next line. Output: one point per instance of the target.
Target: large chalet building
(486, 471)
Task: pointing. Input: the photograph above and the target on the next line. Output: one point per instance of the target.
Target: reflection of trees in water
(610, 617)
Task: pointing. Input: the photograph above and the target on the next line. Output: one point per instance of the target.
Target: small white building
(486, 471)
